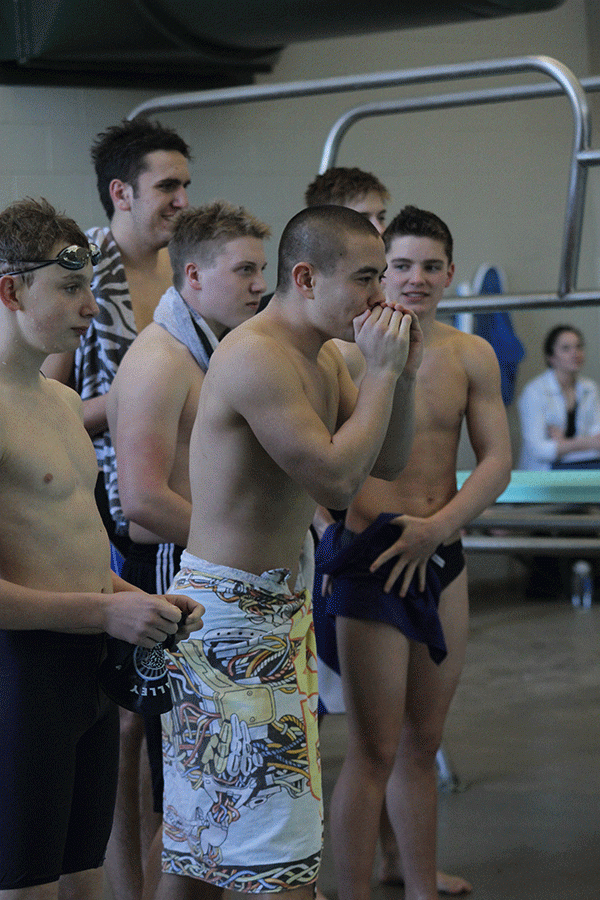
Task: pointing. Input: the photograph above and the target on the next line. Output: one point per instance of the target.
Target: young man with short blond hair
(218, 262)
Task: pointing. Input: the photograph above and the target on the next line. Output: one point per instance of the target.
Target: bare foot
(452, 885)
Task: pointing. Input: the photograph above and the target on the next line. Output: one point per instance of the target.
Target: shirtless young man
(280, 428)
(362, 191)
(58, 596)
(218, 260)
(142, 176)
(396, 696)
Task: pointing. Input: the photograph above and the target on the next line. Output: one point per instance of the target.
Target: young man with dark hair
(401, 602)
(58, 596)
(142, 173)
(280, 428)
(142, 176)
(363, 192)
(121, 152)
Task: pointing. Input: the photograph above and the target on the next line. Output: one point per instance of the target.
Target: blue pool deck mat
(576, 486)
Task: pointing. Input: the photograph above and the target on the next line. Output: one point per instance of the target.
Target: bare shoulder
(153, 344)
(261, 372)
(66, 395)
(352, 357)
(245, 370)
(249, 355)
(481, 361)
(475, 353)
(154, 357)
(338, 354)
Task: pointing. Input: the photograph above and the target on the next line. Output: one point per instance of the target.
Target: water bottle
(581, 584)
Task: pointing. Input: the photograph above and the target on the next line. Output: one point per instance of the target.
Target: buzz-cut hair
(318, 235)
(120, 152)
(202, 232)
(29, 229)
(342, 186)
(414, 222)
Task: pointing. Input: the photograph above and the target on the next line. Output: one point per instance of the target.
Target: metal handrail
(441, 101)
(582, 155)
(564, 81)
(335, 85)
(576, 547)
(484, 303)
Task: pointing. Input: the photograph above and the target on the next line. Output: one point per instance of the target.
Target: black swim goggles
(72, 257)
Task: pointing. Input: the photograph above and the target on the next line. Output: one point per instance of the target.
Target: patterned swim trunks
(242, 806)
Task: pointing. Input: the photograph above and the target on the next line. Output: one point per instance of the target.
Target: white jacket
(542, 405)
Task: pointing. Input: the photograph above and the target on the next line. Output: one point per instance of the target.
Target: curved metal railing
(563, 81)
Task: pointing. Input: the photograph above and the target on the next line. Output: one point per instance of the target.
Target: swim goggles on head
(72, 257)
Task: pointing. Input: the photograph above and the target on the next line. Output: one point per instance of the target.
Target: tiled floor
(523, 736)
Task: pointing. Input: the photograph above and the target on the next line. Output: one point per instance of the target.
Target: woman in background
(560, 410)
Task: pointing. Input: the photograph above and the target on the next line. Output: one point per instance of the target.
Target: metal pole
(497, 302)
(441, 101)
(339, 84)
(564, 81)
